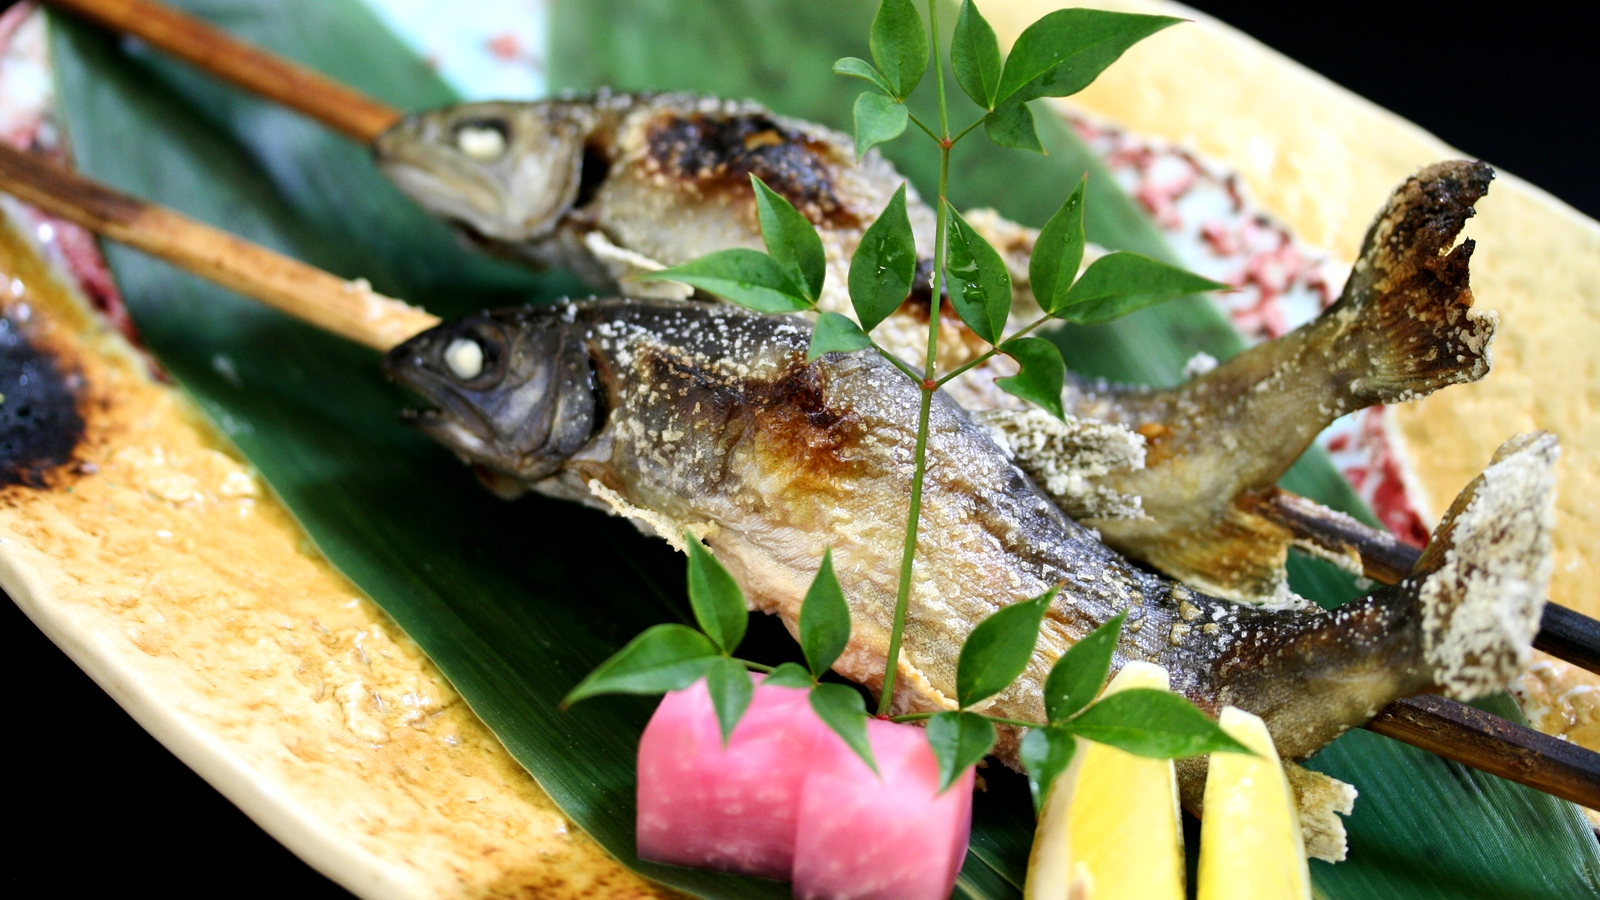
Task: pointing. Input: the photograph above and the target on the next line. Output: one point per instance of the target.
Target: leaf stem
(895, 361)
(968, 130)
(992, 351)
(754, 666)
(918, 122)
(930, 370)
(911, 717)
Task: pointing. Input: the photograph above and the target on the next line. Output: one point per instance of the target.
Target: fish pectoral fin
(1239, 555)
(1067, 457)
(625, 266)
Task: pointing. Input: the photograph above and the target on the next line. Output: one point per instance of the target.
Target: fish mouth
(450, 420)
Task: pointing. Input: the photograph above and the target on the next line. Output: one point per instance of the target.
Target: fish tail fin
(1405, 321)
(1481, 585)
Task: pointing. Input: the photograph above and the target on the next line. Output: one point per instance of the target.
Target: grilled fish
(624, 183)
(706, 417)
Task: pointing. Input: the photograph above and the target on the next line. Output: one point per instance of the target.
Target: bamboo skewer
(212, 50)
(349, 309)
(1563, 633)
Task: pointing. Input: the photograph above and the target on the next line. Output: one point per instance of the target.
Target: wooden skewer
(339, 107)
(1563, 633)
(1432, 723)
(1489, 743)
(350, 309)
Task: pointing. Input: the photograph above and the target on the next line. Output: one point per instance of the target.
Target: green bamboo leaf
(899, 45)
(747, 277)
(1045, 754)
(664, 658)
(878, 119)
(789, 675)
(1058, 252)
(718, 602)
(980, 283)
(998, 649)
(884, 264)
(1119, 283)
(824, 618)
(1064, 51)
(791, 240)
(975, 56)
(842, 709)
(1043, 373)
(860, 68)
(729, 685)
(1148, 722)
(1080, 673)
(835, 333)
(958, 741)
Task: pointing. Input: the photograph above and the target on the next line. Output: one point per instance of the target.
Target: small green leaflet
(789, 675)
(730, 687)
(884, 264)
(899, 45)
(860, 68)
(1042, 376)
(1064, 51)
(980, 284)
(824, 618)
(975, 56)
(663, 658)
(1119, 283)
(878, 119)
(1153, 723)
(1058, 252)
(1045, 754)
(835, 333)
(791, 240)
(997, 651)
(718, 603)
(1076, 678)
(749, 278)
(958, 740)
(842, 709)
(1011, 125)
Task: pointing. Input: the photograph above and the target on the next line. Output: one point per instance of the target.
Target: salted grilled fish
(619, 184)
(705, 417)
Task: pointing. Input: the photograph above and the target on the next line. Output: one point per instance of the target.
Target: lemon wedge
(1250, 842)
(1109, 829)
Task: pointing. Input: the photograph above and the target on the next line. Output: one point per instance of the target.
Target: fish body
(619, 184)
(705, 417)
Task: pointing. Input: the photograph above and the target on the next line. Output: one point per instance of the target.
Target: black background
(98, 807)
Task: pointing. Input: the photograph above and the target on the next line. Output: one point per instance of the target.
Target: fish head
(505, 171)
(515, 392)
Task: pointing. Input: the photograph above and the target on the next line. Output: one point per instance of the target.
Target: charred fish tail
(1411, 328)
(1462, 623)
(1403, 327)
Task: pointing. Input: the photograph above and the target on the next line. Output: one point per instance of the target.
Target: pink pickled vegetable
(859, 838)
(731, 809)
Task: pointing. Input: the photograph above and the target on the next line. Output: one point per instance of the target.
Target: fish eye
(482, 140)
(464, 358)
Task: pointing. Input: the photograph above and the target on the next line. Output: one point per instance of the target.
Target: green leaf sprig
(1058, 55)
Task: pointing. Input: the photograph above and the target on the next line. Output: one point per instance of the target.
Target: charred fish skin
(1403, 327)
(714, 421)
